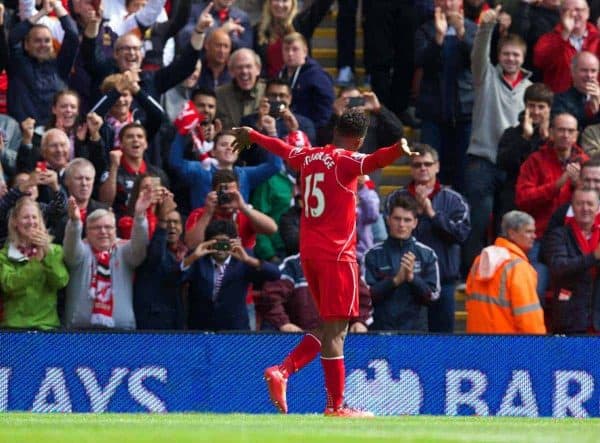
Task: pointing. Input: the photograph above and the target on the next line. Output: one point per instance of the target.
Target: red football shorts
(334, 286)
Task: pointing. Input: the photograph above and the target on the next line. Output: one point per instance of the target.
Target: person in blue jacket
(36, 71)
(312, 87)
(444, 224)
(199, 179)
(401, 272)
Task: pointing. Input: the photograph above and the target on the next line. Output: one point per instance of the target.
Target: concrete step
(385, 190)
(327, 57)
(330, 32)
(333, 71)
(395, 171)
(395, 175)
(460, 315)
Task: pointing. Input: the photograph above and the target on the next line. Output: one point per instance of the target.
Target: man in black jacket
(573, 255)
(36, 72)
(445, 100)
(519, 141)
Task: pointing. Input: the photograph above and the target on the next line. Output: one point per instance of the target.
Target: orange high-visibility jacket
(501, 292)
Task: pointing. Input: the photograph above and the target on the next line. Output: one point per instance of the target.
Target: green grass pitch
(242, 428)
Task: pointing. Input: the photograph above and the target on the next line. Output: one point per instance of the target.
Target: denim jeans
(441, 311)
(482, 184)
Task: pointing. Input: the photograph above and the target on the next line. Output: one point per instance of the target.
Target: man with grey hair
(100, 289)
(572, 252)
(582, 99)
(242, 96)
(501, 286)
(79, 183)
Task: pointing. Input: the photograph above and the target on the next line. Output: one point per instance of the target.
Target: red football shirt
(328, 185)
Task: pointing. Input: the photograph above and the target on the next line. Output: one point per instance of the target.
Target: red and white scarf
(101, 290)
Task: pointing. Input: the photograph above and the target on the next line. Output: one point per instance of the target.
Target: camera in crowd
(276, 108)
(222, 245)
(353, 102)
(223, 195)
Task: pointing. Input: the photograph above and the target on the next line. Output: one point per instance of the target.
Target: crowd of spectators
(124, 205)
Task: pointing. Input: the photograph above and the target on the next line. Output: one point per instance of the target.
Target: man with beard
(36, 72)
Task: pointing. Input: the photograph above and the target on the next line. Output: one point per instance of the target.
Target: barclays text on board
(388, 374)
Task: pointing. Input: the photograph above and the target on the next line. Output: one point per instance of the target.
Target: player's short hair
(221, 176)
(406, 202)
(220, 227)
(352, 123)
(539, 92)
(423, 149)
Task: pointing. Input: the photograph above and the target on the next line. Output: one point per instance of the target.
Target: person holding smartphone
(384, 126)
(275, 118)
(219, 271)
(226, 202)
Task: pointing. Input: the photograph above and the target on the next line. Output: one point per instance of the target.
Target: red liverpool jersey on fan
(328, 185)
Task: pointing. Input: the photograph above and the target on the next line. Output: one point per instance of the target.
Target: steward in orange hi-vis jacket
(501, 292)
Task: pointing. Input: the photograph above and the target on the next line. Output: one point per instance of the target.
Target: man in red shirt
(328, 180)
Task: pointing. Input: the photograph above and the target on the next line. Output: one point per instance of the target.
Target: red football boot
(277, 385)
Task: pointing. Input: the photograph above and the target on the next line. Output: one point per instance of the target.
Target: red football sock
(301, 355)
(335, 377)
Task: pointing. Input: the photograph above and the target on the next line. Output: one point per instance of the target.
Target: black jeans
(390, 27)
(346, 32)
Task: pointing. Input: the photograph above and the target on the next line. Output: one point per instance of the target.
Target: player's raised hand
(403, 144)
(242, 138)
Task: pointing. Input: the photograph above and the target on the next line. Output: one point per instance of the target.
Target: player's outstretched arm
(245, 136)
(386, 156)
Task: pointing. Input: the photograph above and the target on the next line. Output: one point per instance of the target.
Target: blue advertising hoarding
(387, 374)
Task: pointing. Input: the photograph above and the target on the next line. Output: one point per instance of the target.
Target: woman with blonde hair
(279, 18)
(32, 270)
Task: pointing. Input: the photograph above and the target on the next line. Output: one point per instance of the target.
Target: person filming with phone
(219, 271)
(384, 127)
(225, 202)
(276, 119)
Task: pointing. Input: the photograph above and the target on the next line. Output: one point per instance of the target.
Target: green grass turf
(137, 428)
